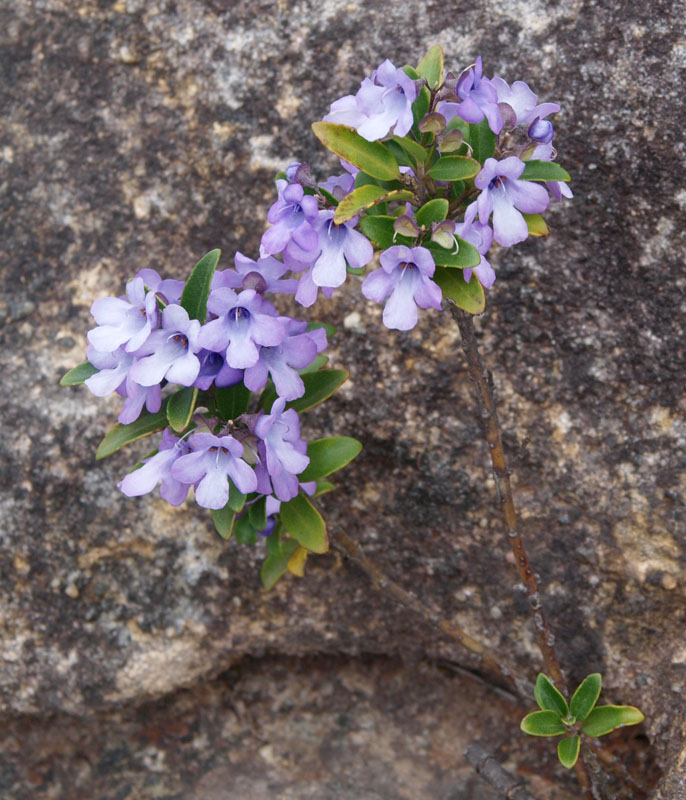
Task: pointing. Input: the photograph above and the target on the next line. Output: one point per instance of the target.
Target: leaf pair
(580, 716)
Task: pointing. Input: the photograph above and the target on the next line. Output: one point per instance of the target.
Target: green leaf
(371, 157)
(420, 108)
(466, 256)
(536, 224)
(568, 751)
(431, 66)
(325, 193)
(197, 288)
(296, 563)
(548, 697)
(121, 435)
(412, 148)
(79, 374)
(379, 229)
(482, 140)
(468, 296)
(544, 171)
(304, 523)
(454, 168)
(318, 387)
(319, 362)
(275, 566)
(236, 498)
(180, 408)
(324, 487)
(586, 696)
(243, 530)
(604, 719)
(365, 197)
(330, 329)
(329, 455)
(223, 519)
(258, 514)
(542, 723)
(232, 401)
(411, 72)
(433, 211)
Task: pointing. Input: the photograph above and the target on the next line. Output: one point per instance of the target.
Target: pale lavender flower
(283, 453)
(158, 469)
(113, 368)
(292, 231)
(522, 101)
(169, 352)
(215, 370)
(340, 185)
(212, 461)
(168, 290)
(244, 322)
(481, 236)
(124, 323)
(405, 275)
(263, 275)
(558, 189)
(479, 99)
(506, 197)
(298, 350)
(338, 244)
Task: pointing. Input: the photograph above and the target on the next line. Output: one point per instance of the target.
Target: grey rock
(144, 134)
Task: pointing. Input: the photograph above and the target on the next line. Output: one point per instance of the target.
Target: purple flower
(382, 103)
(481, 236)
(168, 290)
(292, 231)
(214, 369)
(121, 322)
(506, 196)
(214, 459)
(405, 275)
(113, 368)
(558, 189)
(297, 351)
(244, 322)
(522, 101)
(283, 453)
(170, 352)
(157, 469)
(308, 289)
(541, 130)
(338, 244)
(479, 99)
(339, 185)
(263, 275)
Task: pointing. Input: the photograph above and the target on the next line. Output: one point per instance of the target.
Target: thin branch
(389, 587)
(491, 771)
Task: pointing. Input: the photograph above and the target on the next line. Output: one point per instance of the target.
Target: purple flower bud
(541, 130)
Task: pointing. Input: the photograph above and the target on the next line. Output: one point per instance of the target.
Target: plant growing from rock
(436, 167)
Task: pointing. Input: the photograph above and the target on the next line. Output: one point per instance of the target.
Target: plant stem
(488, 658)
(501, 475)
(490, 770)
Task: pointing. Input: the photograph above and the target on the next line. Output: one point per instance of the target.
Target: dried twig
(491, 771)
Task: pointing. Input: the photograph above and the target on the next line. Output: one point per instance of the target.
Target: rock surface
(144, 134)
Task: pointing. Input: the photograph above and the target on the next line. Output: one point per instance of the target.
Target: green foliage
(197, 288)
(586, 696)
(544, 171)
(568, 750)
(543, 723)
(604, 719)
(236, 500)
(364, 198)
(470, 297)
(305, 524)
(371, 157)
(223, 521)
(418, 153)
(121, 435)
(328, 456)
(232, 401)
(548, 697)
(482, 140)
(467, 255)
(431, 66)
(318, 387)
(536, 224)
(454, 168)
(434, 211)
(79, 374)
(279, 555)
(180, 408)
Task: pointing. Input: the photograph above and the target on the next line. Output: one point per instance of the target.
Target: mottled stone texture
(143, 133)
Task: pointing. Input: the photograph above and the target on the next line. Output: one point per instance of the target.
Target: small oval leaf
(223, 519)
(329, 455)
(454, 168)
(232, 401)
(482, 140)
(197, 288)
(305, 524)
(469, 297)
(435, 210)
(548, 697)
(431, 66)
(586, 696)
(544, 171)
(364, 198)
(604, 719)
(568, 751)
(466, 256)
(542, 723)
(181, 406)
(536, 224)
(121, 435)
(412, 148)
(296, 563)
(371, 157)
(79, 374)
